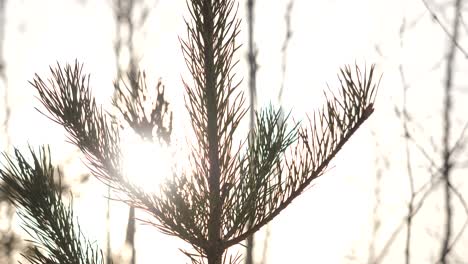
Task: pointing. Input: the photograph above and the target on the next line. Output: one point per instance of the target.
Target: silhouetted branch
(30, 186)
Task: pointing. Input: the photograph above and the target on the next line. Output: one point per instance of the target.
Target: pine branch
(259, 171)
(69, 101)
(330, 129)
(56, 237)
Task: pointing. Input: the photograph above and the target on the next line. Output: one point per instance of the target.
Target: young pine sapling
(229, 192)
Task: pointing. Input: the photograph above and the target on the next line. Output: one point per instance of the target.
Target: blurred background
(395, 193)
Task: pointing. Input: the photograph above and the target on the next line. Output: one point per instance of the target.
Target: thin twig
(453, 39)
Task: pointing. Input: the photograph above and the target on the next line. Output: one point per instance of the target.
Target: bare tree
(447, 131)
(440, 169)
(128, 20)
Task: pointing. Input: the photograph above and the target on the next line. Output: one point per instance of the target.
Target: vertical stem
(284, 48)
(117, 50)
(3, 77)
(108, 231)
(446, 155)
(251, 56)
(215, 250)
(376, 220)
(124, 20)
(409, 170)
(409, 217)
(265, 246)
(8, 237)
(130, 239)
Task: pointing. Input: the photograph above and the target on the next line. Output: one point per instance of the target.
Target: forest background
(396, 191)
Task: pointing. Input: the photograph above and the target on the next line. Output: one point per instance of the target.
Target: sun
(145, 163)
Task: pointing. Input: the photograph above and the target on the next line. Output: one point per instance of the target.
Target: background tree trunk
(252, 64)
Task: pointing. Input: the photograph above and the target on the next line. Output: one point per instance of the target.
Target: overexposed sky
(333, 216)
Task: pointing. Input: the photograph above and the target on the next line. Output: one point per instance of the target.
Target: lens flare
(146, 163)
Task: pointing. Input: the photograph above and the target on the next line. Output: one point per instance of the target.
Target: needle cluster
(56, 235)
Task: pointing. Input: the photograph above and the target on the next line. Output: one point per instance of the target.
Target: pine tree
(230, 191)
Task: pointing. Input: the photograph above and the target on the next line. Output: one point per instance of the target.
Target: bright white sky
(331, 218)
